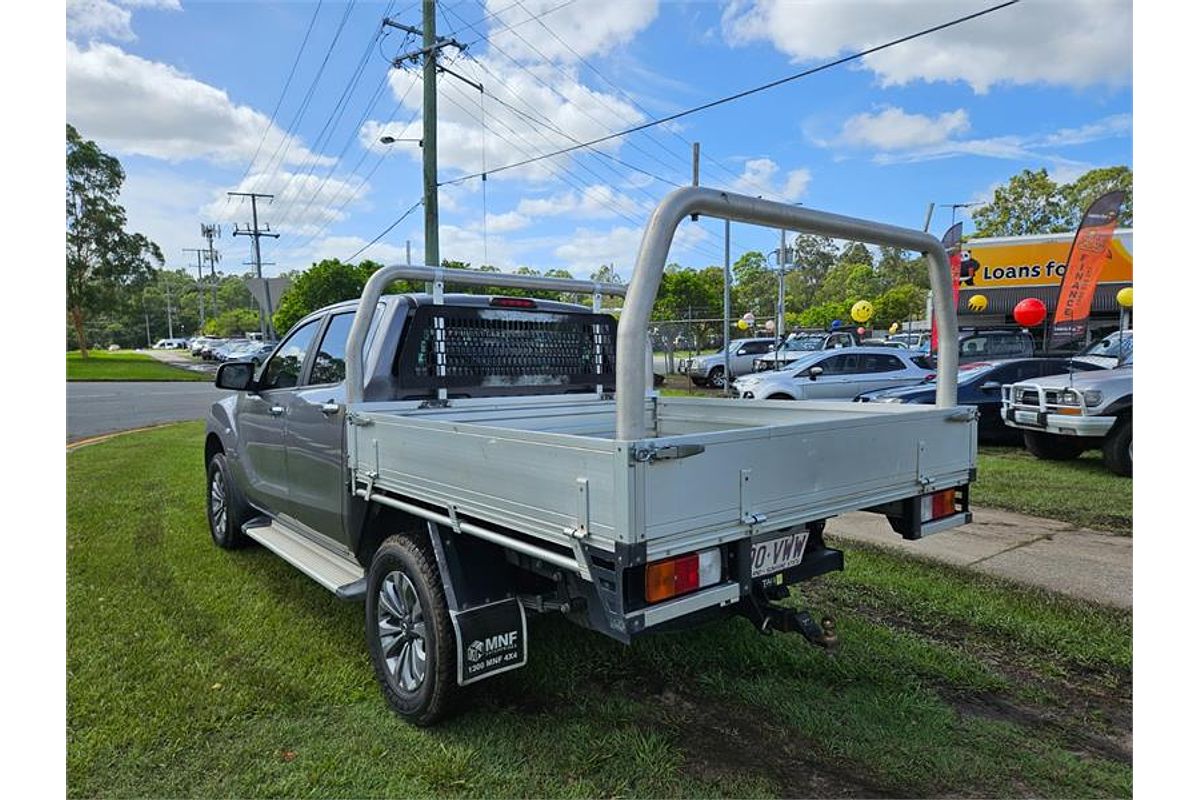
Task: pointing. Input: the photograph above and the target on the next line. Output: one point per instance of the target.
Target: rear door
(880, 371)
(262, 418)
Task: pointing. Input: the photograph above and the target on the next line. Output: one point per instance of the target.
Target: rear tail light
(672, 577)
(938, 505)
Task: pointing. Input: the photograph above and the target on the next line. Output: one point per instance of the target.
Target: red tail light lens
(672, 577)
(513, 302)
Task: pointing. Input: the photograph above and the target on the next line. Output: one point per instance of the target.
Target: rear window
(473, 347)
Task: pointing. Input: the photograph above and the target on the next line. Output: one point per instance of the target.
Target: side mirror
(237, 376)
(741, 351)
(990, 386)
(815, 372)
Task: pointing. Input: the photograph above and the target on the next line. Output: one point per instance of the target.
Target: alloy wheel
(400, 623)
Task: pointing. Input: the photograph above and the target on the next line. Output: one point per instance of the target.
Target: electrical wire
(386, 230)
(745, 93)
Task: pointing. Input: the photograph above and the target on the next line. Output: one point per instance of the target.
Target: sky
(291, 98)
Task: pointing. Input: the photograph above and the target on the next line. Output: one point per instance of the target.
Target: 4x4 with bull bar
(457, 462)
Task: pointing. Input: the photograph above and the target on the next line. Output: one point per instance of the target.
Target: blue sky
(183, 93)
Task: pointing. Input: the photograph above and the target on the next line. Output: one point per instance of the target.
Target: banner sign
(1090, 253)
(952, 241)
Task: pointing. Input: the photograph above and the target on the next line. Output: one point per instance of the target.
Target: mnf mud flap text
(491, 640)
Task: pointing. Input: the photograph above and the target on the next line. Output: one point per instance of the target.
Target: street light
(393, 140)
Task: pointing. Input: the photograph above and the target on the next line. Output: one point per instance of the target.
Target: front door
(315, 437)
(262, 417)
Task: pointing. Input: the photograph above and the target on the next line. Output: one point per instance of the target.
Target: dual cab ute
(458, 462)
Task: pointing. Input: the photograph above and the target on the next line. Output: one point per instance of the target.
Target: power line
(746, 93)
(386, 230)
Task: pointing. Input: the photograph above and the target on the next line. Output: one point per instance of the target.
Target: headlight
(1068, 397)
(1092, 397)
(889, 400)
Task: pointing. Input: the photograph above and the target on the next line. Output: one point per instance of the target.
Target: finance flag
(952, 241)
(1090, 251)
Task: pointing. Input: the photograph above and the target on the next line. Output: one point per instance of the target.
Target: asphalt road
(99, 407)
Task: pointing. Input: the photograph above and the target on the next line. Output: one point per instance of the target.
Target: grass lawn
(125, 365)
(193, 671)
(1081, 491)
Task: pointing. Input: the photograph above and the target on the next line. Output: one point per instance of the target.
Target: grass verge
(192, 671)
(1082, 492)
(125, 365)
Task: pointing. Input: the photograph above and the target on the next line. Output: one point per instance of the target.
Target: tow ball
(769, 618)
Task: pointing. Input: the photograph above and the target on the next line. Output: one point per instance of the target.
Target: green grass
(1082, 492)
(125, 365)
(193, 671)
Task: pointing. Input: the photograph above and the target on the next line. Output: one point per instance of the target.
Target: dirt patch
(722, 739)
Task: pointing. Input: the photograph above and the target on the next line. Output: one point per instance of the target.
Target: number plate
(1026, 417)
(778, 554)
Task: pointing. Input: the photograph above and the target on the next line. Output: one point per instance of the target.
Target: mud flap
(491, 639)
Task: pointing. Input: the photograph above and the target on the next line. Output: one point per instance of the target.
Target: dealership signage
(1041, 260)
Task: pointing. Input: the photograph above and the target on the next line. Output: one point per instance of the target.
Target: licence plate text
(776, 555)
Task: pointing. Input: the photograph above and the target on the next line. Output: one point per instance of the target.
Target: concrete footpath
(1048, 554)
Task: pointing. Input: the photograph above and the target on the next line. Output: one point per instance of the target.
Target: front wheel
(716, 378)
(1050, 447)
(227, 512)
(1118, 448)
(409, 632)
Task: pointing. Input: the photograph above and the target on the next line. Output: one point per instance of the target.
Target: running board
(337, 574)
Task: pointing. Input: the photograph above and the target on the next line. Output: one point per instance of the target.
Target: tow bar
(769, 618)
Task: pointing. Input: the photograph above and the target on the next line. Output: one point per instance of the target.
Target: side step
(337, 574)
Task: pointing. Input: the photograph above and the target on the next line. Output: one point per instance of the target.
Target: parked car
(1063, 415)
(457, 462)
(198, 344)
(915, 340)
(710, 370)
(798, 344)
(835, 375)
(223, 351)
(171, 344)
(207, 351)
(1114, 349)
(979, 385)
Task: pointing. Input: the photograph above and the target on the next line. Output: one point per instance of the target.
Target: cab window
(329, 366)
(283, 370)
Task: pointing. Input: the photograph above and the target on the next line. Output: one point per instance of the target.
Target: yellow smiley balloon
(1125, 297)
(862, 311)
(742, 324)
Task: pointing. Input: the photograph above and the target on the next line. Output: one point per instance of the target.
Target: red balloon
(1029, 312)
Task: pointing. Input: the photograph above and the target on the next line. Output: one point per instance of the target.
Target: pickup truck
(1063, 415)
(709, 370)
(459, 462)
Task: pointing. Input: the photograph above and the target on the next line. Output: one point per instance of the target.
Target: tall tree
(814, 256)
(1030, 203)
(328, 282)
(1079, 195)
(103, 259)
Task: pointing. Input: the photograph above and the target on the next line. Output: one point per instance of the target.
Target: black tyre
(1118, 448)
(779, 396)
(1050, 447)
(716, 378)
(409, 632)
(227, 511)
(698, 382)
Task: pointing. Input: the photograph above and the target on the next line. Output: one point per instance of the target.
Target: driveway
(99, 407)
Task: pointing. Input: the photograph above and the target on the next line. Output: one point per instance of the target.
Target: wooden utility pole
(256, 233)
(431, 44)
(199, 279)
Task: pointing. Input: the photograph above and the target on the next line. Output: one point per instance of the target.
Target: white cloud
(894, 129)
(507, 222)
(586, 249)
(165, 206)
(108, 19)
(1115, 125)
(1064, 42)
(554, 110)
(304, 204)
(590, 28)
(595, 201)
(133, 105)
(758, 178)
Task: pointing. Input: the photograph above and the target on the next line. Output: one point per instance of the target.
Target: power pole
(170, 323)
(200, 278)
(431, 44)
(211, 232)
(256, 233)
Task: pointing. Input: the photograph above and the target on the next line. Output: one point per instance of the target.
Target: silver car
(710, 370)
(837, 375)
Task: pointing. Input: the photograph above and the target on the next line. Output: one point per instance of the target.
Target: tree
(898, 304)
(104, 261)
(328, 282)
(823, 314)
(755, 286)
(856, 253)
(849, 282)
(814, 256)
(897, 268)
(234, 322)
(1082, 193)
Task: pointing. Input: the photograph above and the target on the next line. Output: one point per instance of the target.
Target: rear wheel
(716, 378)
(1118, 448)
(1050, 447)
(409, 632)
(778, 396)
(227, 512)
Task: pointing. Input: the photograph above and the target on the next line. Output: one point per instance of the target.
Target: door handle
(276, 410)
(330, 408)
